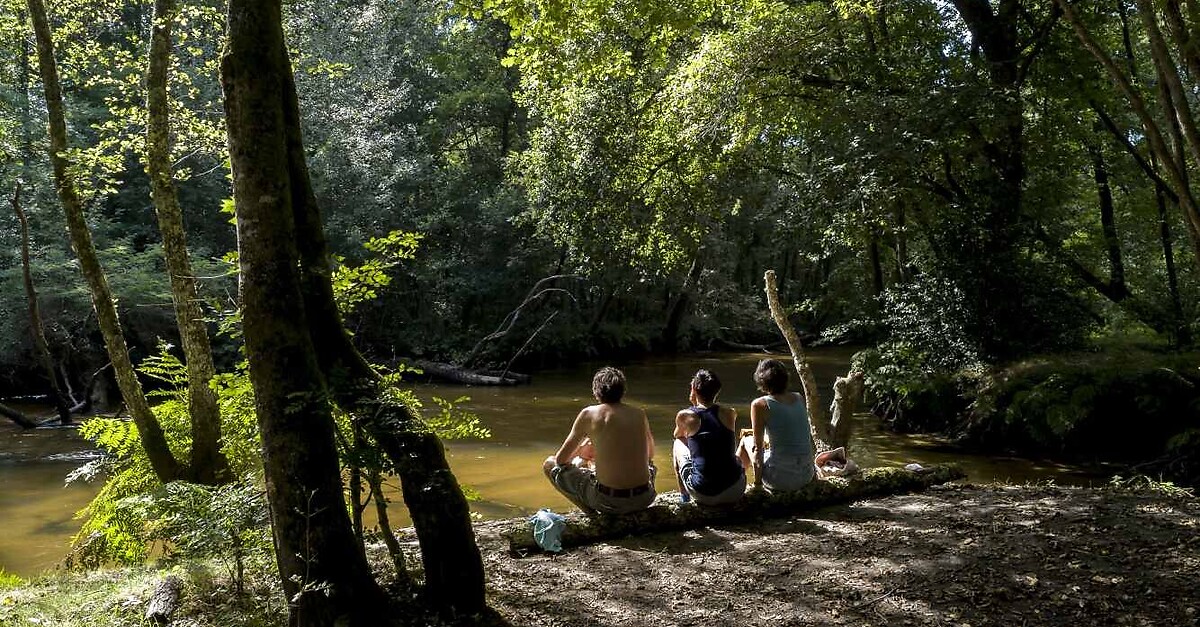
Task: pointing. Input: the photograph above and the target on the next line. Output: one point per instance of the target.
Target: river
(527, 424)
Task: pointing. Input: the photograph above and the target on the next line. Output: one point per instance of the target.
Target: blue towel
(547, 529)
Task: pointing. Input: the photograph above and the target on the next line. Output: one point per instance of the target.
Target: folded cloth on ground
(547, 529)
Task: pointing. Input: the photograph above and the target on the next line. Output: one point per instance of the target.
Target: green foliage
(116, 524)
(451, 422)
(1120, 405)
(9, 580)
(1144, 484)
(1076, 406)
(448, 421)
(353, 285)
(228, 523)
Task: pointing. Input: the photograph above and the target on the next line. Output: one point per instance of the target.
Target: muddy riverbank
(955, 555)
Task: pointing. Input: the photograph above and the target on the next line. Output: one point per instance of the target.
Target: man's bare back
(612, 441)
(616, 430)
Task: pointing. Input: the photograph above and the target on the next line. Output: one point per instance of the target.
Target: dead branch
(536, 292)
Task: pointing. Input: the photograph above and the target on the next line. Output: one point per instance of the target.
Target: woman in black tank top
(705, 463)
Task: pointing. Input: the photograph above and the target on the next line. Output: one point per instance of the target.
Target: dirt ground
(955, 555)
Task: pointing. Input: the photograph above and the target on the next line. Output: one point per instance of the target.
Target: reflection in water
(527, 423)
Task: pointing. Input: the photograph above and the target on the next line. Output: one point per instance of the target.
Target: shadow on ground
(957, 555)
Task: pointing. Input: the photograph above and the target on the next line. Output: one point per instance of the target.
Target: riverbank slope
(955, 555)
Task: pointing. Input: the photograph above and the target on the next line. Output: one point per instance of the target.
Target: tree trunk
(40, 345)
(847, 392)
(375, 481)
(325, 574)
(667, 514)
(1184, 41)
(1108, 223)
(876, 266)
(1168, 75)
(165, 466)
(277, 211)
(989, 255)
(818, 417)
(208, 465)
(679, 308)
(24, 86)
(828, 431)
(1183, 333)
(454, 581)
(164, 601)
(901, 237)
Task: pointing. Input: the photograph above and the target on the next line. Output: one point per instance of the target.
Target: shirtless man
(622, 479)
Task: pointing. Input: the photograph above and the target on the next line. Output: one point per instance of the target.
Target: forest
(238, 236)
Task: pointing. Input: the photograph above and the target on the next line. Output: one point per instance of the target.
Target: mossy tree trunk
(277, 211)
(40, 345)
(324, 572)
(454, 580)
(667, 514)
(166, 467)
(207, 465)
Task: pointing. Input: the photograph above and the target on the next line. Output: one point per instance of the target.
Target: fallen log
(164, 601)
(727, 345)
(523, 379)
(458, 374)
(23, 421)
(668, 514)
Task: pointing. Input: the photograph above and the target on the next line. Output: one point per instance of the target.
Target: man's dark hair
(771, 376)
(706, 384)
(608, 386)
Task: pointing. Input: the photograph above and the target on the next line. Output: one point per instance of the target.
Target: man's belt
(622, 493)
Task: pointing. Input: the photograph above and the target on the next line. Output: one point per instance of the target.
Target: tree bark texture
(166, 467)
(164, 601)
(454, 581)
(36, 328)
(324, 572)
(207, 464)
(375, 481)
(667, 514)
(1183, 333)
(455, 374)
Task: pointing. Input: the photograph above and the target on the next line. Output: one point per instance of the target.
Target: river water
(527, 424)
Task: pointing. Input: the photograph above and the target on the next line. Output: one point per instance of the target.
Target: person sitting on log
(620, 476)
(708, 469)
(780, 417)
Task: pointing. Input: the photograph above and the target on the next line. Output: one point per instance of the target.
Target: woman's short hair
(706, 384)
(771, 377)
(608, 386)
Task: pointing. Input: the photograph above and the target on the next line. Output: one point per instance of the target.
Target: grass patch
(117, 598)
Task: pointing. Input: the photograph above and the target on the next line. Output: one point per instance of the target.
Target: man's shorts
(687, 475)
(581, 487)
